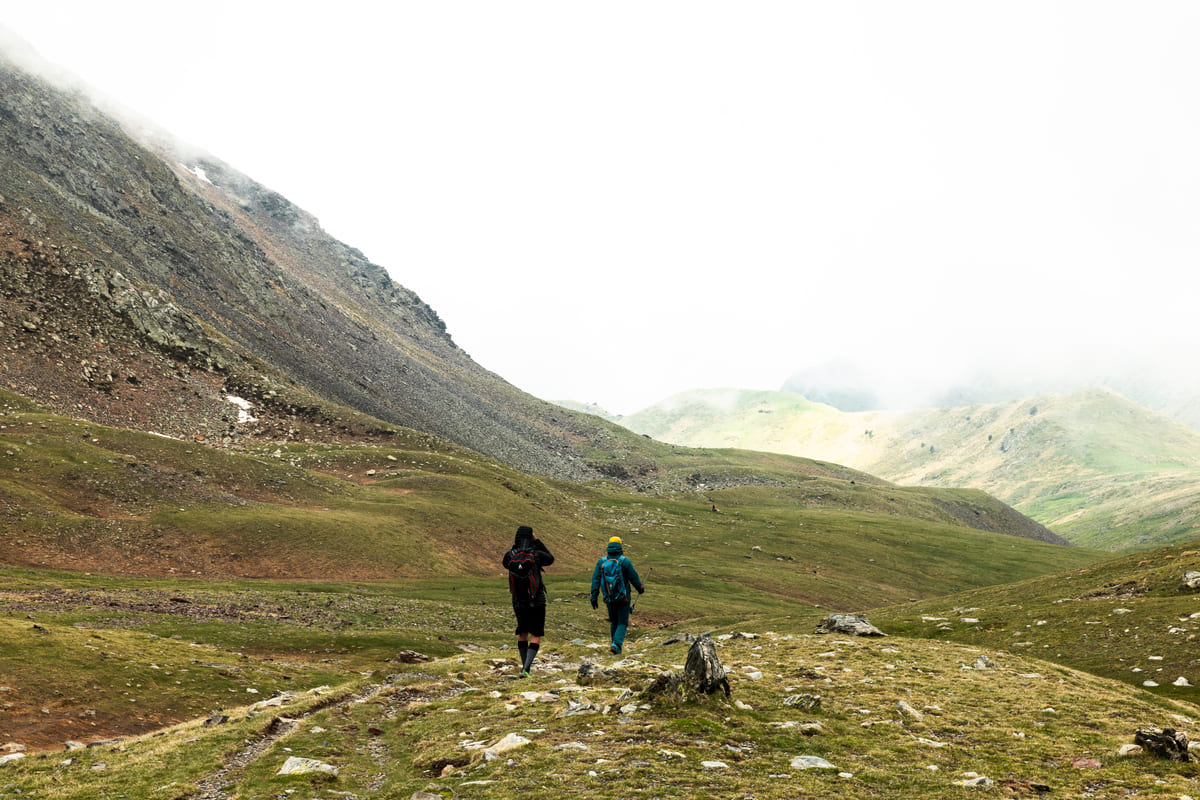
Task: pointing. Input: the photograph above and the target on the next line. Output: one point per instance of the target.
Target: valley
(254, 498)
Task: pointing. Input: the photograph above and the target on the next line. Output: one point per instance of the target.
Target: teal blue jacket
(632, 580)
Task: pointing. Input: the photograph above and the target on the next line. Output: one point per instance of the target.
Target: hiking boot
(524, 673)
(615, 649)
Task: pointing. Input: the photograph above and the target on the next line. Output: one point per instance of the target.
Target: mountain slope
(1092, 466)
(142, 285)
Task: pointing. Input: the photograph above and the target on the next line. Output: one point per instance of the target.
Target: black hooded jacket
(541, 556)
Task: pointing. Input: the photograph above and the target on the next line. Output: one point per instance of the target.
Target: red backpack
(524, 578)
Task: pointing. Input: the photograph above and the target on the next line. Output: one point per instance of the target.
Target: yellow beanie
(615, 539)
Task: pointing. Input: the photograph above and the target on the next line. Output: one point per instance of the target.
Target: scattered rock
(714, 765)
(852, 624)
(575, 709)
(983, 662)
(106, 742)
(435, 792)
(216, 719)
(408, 657)
(909, 711)
(13, 747)
(1191, 579)
(805, 701)
(811, 762)
(677, 638)
(1130, 750)
(1166, 743)
(1085, 763)
(8, 759)
(295, 765)
(668, 681)
(979, 781)
(510, 742)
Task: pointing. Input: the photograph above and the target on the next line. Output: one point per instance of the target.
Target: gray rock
(295, 765)
(677, 638)
(811, 762)
(806, 701)
(851, 624)
(1191, 579)
(106, 742)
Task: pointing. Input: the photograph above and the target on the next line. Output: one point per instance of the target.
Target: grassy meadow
(189, 618)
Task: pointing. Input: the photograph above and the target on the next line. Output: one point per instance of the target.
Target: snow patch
(244, 407)
(197, 171)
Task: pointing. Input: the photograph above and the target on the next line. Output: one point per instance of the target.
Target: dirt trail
(214, 786)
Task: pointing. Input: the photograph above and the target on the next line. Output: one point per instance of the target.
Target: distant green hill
(1092, 466)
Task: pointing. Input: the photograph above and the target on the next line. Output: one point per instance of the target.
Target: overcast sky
(611, 202)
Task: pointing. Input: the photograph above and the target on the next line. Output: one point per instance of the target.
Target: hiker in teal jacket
(615, 575)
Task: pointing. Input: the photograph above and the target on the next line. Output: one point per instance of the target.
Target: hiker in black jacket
(524, 563)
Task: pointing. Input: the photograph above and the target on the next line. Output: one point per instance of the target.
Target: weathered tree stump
(703, 668)
(1167, 743)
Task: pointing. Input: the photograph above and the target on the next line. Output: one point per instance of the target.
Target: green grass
(428, 727)
(1129, 619)
(1096, 469)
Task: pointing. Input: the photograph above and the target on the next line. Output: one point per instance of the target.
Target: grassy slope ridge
(1130, 618)
(1093, 467)
(91, 498)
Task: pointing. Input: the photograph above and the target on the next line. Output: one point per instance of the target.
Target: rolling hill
(1092, 466)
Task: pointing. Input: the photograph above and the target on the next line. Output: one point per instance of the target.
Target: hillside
(77, 495)
(1131, 619)
(144, 284)
(1091, 466)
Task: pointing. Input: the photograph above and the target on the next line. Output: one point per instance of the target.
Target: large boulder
(850, 624)
(1191, 579)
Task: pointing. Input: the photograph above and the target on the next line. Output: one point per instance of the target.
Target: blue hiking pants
(618, 621)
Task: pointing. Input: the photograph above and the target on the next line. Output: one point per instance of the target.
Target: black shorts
(531, 620)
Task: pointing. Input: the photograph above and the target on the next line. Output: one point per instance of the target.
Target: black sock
(530, 655)
(522, 648)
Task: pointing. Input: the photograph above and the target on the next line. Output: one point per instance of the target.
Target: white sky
(611, 202)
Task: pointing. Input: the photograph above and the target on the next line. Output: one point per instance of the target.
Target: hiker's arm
(544, 556)
(633, 577)
(595, 584)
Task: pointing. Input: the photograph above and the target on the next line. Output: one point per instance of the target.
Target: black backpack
(524, 578)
